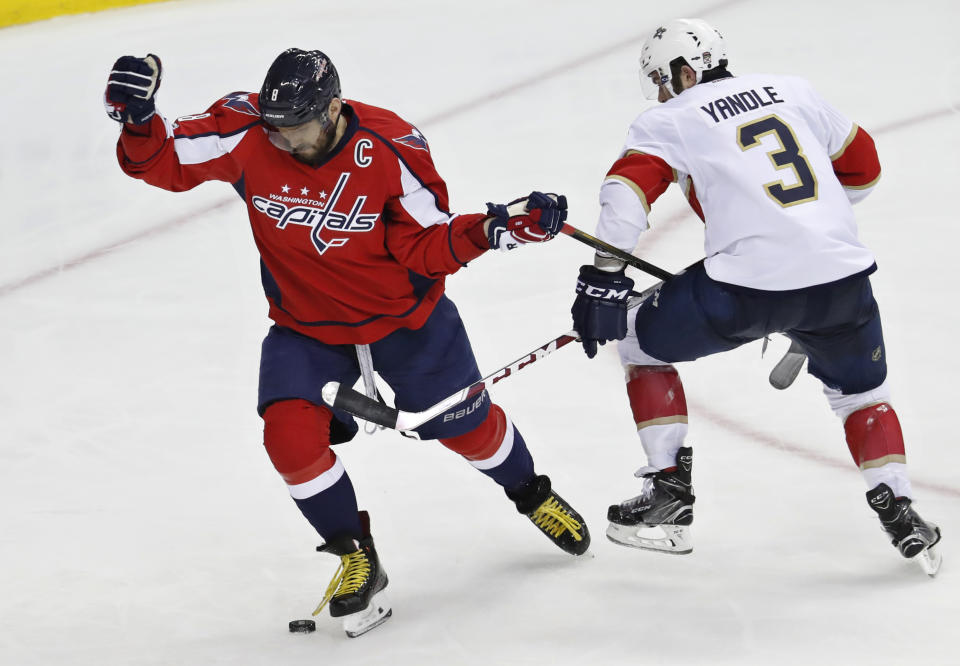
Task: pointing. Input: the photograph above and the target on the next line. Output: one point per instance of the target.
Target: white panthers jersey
(762, 153)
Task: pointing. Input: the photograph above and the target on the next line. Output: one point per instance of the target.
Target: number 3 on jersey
(790, 156)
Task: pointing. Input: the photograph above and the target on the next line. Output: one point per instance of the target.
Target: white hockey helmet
(696, 41)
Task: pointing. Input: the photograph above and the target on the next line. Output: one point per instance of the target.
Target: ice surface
(140, 519)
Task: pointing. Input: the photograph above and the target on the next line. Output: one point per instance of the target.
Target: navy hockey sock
(517, 467)
(333, 512)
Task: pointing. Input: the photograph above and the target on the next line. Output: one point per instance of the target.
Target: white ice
(140, 519)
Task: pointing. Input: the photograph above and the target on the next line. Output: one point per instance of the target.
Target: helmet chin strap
(330, 126)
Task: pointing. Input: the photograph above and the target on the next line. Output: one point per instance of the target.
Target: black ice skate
(552, 515)
(356, 591)
(659, 518)
(912, 535)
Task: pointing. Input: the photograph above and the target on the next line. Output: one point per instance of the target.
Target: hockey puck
(302, 626)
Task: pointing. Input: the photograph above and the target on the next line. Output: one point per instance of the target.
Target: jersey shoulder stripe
(216, 132)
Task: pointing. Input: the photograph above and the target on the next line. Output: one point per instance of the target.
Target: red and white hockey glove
(131, 87)
(533, 219)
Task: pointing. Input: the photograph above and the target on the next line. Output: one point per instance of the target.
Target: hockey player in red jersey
(355, 236)
(772, 169)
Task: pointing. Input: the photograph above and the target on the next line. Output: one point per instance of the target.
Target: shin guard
(874, 436)
(876, 445)
(296, 435)
(659, 409)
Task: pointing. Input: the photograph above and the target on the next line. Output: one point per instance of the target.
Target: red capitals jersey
(352, 249)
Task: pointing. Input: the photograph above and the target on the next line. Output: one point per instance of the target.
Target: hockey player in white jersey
(772, 169)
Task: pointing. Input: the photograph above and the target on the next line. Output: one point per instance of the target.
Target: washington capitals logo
(240, 101)
(414, 140)
(318, 216)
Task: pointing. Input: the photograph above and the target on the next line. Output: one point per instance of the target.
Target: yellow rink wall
(13, 12)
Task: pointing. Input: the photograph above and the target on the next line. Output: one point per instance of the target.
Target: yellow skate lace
(353, 572)
(553, 519)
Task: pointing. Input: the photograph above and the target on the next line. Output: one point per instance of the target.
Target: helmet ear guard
(691, 42)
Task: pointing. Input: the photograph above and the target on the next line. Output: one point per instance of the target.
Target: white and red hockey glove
(533, 219)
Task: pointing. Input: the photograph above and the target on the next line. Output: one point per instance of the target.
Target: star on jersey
(304, 191)
(285, 189)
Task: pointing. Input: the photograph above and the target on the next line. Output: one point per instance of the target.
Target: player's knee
(632, 355)
(483, 441)
(296, 435)
(845, 404)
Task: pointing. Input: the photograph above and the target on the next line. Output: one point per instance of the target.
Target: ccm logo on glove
(606, 293)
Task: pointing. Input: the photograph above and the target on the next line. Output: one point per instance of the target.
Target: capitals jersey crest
(414, 140)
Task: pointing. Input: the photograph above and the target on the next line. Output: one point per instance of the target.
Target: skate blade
(375, 614)
(673, 539)
(930, 560)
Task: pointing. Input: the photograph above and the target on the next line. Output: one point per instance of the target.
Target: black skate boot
(356, 591)
(911, 534)
(552, 515)
(665, 503)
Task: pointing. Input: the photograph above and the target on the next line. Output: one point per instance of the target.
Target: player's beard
(315, 154)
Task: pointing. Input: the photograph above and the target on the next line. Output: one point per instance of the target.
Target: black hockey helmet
(298, 87)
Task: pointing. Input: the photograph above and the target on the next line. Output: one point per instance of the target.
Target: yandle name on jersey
(748, 100)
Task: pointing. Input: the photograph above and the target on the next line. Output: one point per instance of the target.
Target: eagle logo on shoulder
(414, 140)
(240, 102)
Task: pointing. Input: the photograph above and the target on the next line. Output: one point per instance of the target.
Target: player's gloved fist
(131, 87)
(533, 219)
(600, 310)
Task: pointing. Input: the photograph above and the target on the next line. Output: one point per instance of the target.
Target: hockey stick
(626, 257)
(372, 411)
(368, 409)
(783, 373)
(349, 400)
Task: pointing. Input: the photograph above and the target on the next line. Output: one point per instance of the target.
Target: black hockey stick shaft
(626, 257)
(350, 400)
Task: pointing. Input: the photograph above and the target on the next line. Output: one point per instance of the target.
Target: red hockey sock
(296, 434)
(656, 395)
(874, 436)
(484, 440)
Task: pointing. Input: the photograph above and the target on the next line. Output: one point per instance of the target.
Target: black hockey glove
(131, 88)
(533, 219)
(600, 310)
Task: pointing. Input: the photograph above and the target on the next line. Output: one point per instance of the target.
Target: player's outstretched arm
(536, 218)
(131, 88)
